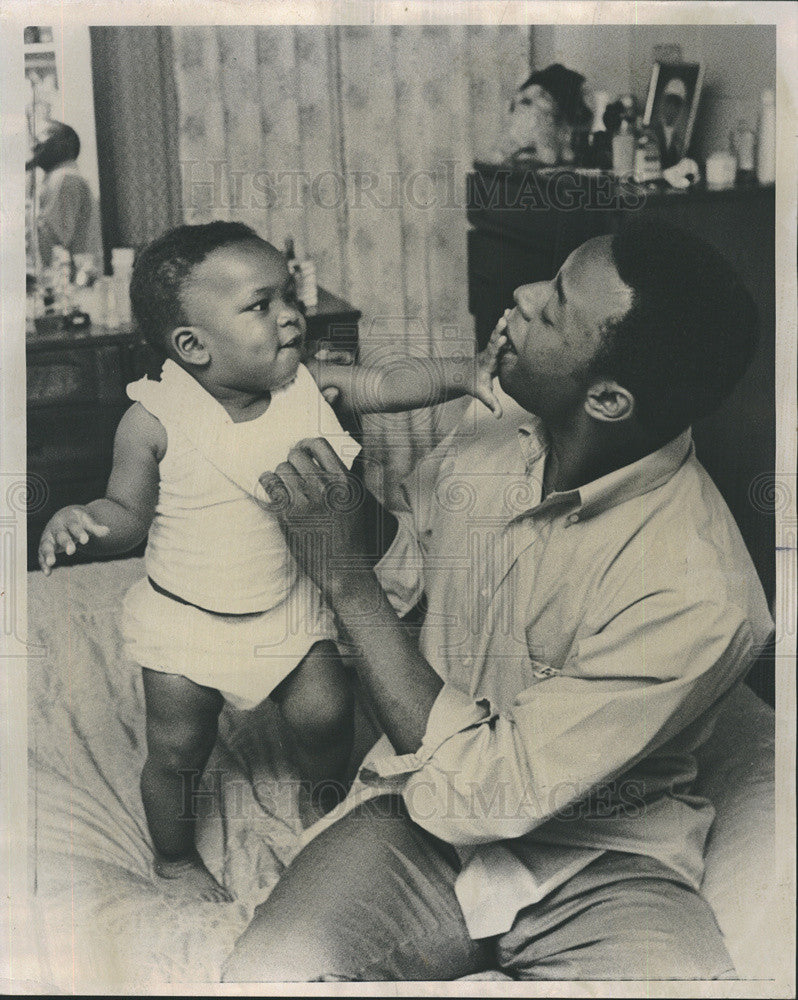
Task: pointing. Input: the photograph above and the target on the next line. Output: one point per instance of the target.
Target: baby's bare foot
(189, 877)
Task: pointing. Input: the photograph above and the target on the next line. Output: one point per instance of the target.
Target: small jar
(721, 171)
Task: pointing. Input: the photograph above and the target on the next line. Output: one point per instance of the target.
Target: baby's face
(242, 303)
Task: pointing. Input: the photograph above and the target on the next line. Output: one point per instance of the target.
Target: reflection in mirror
(62, 223)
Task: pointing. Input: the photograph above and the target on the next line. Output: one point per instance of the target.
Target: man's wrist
(351, 588)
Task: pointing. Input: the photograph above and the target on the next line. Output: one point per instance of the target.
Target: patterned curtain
(356, 142)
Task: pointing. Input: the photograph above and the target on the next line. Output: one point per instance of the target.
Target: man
(589, 604)
(67, 213)
(670, 122)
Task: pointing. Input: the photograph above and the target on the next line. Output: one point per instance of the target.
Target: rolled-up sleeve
(482, 775)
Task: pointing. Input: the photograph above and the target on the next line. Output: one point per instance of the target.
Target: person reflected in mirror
(67, 214)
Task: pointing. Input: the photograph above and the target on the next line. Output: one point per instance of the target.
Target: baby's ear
(189, 345)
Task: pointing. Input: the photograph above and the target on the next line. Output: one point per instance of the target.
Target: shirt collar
(67, 167)
(617, 486)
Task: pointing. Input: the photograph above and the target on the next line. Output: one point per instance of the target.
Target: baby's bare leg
(182, 722)
(317, 703)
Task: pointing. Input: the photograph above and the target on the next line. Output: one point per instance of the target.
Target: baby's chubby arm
(413, 382)
(122, 518)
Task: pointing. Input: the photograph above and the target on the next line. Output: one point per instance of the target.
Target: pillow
(737, 774)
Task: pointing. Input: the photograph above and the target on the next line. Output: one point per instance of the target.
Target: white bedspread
(104, 923)
(104, 920)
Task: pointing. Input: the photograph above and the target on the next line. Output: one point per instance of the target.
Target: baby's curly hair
(162, 268)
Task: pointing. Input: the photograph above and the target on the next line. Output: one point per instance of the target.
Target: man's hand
(317, 499)
(320, 506)
(487, 362)
(66, 529)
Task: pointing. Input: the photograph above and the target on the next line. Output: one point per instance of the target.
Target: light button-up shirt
(586, 642)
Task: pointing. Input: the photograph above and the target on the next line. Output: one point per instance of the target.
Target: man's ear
(189, 345)
(609, 402)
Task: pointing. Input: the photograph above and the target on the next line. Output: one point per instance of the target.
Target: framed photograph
(671, 107)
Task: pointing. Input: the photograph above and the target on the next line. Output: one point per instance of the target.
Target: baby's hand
(66, 529)
(487, 363)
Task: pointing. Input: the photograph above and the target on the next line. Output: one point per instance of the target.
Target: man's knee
(317, 701)
(273, 950)
(336, 908)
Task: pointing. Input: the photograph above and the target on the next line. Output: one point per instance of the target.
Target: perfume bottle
(122, 267)
(647, 165)
(766, 149)
(743, 144)
(623, 150)
(61, 280)
(304, 272)
(290, 256)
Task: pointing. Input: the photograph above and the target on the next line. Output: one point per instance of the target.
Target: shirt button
(573, 518)
(468, 661)
(485, 591)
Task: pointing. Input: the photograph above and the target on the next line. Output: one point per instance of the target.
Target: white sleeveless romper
(251, 614)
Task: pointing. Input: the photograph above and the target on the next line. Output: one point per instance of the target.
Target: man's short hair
(69, 138)
(690, 333)
(61, 145)
(162, 268)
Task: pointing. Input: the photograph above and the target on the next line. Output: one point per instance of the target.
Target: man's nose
(524, 294)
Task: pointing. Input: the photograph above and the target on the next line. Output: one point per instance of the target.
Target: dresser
(523, 225)
(76, 396)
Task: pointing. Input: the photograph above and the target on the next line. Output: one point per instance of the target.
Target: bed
(103, 923)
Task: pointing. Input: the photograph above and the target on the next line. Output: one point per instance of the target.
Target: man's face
(555, 328)
(241, 301)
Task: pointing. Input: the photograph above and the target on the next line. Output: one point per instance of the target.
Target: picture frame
(671, 106)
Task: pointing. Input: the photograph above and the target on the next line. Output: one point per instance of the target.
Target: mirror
(63, 240)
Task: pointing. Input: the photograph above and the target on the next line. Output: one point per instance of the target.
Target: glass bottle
(623, 150)
(647, 165)
(766, 149)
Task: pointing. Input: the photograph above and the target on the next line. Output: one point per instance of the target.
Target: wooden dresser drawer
(62, 441)
(75, 376)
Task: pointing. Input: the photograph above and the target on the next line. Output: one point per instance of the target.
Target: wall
(739, 63)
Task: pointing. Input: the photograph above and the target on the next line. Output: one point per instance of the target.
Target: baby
(224, 612)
